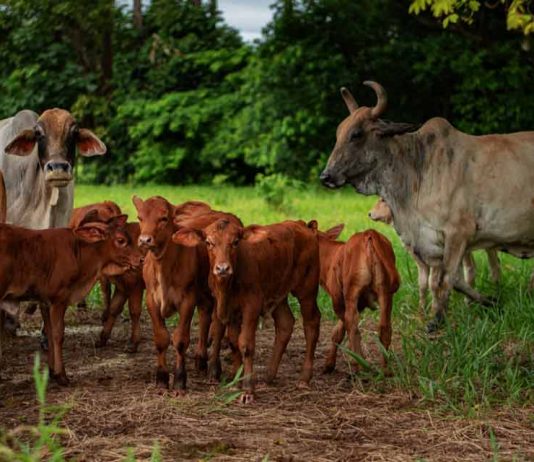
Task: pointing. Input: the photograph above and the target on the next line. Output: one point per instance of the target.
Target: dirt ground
(114, 405)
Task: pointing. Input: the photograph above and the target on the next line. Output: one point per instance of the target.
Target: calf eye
(355, 135)
(163, 219)
(121, 241)
(209, 244)
(235, 242)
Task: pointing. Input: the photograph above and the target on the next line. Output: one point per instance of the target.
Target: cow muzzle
(146, 242)
(222, 270)
(58, 174)
(330, 180)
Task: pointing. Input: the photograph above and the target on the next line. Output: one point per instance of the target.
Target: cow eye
(356, 135)
(163, 219)
(235, 242)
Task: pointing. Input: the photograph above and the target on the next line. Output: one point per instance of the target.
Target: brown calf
(252, 272)
(356, 274)
(128, 286)
(176, 281)
(59, 266)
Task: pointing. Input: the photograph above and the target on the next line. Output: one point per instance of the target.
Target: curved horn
(351, 103)
(382, 98)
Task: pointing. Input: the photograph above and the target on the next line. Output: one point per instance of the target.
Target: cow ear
(254, 235)
(89, 144)
(312, 224)
(92, 232)
(23, 144)
(333, 233)
(90, 217)
(137, 202)
(119, 220)
(188, 237)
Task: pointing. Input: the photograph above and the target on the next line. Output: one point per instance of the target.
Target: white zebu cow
(449, 192)
(37, 157)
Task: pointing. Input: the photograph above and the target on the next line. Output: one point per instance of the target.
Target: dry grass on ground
(115, 406)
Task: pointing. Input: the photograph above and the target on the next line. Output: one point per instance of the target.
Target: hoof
(302, 385)
(105, 316)
(43, 343)
(329, 368)
(61, 379)
(131, 347)
(179, 393)
(270, 378)
(434, 326)
(247, 397)
(101, 342)
(162, 379)
(214, 372)
(201, 364)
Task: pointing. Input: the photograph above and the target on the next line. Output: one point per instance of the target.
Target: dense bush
(179, 98)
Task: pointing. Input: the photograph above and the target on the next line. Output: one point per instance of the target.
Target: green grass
(483, 357)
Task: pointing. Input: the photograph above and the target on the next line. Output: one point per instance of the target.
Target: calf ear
(90, 217)
(188, 237)
(254, 235)
(91, 233)
(89, 144)
(137, 202)
(23, 144)
(333, 233)
(119, 220)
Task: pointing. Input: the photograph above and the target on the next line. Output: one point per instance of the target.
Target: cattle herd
(441, 189)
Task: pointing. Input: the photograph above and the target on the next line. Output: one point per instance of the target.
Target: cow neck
(90, 258)
(328, 251)
(221, 291)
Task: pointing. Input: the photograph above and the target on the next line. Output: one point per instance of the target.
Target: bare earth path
(115, 406)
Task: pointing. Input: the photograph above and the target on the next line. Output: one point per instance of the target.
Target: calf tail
(3, 200)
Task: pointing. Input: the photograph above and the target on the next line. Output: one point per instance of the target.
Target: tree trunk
(107, 51)
(138, 14)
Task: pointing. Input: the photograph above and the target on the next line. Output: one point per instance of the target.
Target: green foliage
(518, 14)
(184, 100)
(277, 190)
(41, 440)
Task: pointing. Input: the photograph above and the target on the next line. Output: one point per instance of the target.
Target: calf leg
(181, 338)
(423, 277)
(469, 269)
(201, 353)
(217, 330)
(384, 327)
(135, 306)
(247, 346)
(105, 287)
(283, 323)
(338, 333)
(311, 318)
(115, 309)
(352, 321)
(233, 331)
(161, 340)
(494, 265)
(57, 325)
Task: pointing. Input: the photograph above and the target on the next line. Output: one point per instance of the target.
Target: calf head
(117, 246)
(362, 148)
(381, 212)
(222, 239)
(56, 135)
(155, 217)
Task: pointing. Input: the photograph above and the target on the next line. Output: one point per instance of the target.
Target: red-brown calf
(128, 286)
(356, 274)
(59, 266)
(252, 272)
(176, 281)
